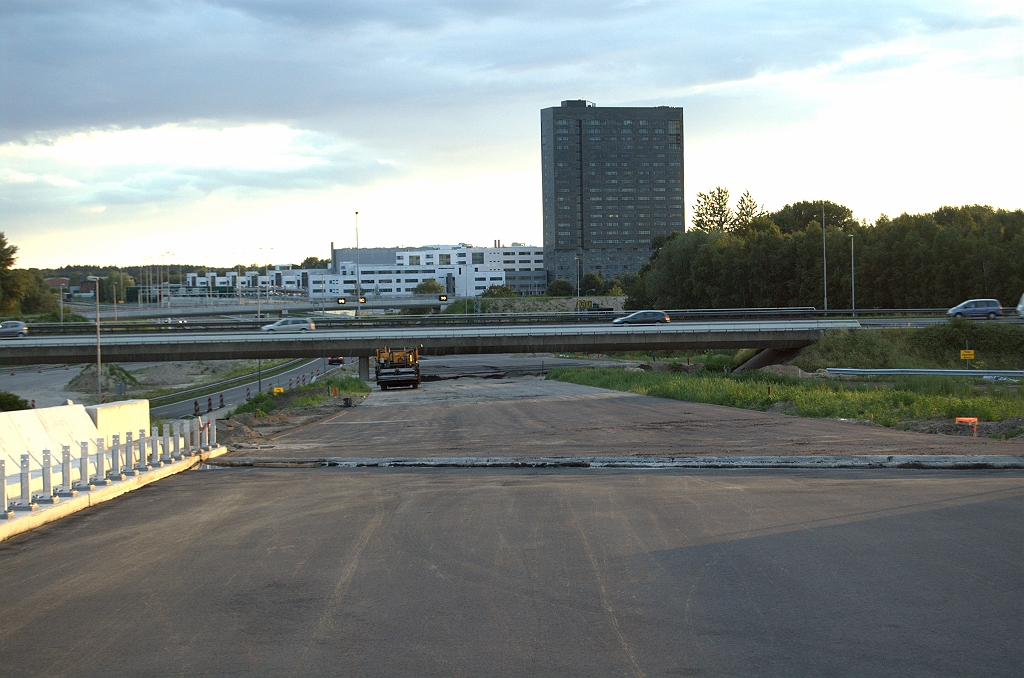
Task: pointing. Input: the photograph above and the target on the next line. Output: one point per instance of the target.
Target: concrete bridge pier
(364, 367)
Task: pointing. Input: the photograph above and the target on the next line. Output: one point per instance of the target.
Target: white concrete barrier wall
(49, 428)
(13, 465)
(116, 418)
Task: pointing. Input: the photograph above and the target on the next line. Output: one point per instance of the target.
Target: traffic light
(341, 301)
(442, 297)
(362, 300)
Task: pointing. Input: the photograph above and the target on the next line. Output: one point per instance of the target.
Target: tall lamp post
(824, 255)
(359, 274)
(853, 280)
(577, 260)
(99, 360)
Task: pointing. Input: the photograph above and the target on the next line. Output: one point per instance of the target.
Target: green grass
(905, 400)
(260, 405)
(998, 346)
(323, 390)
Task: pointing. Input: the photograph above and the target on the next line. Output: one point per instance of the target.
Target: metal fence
(41, 478)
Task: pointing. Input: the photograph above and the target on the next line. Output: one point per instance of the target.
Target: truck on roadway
(397, 367)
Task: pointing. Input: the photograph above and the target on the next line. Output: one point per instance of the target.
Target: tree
(560, 287)
(592, 283)
(115, 282)
(712, 213)
(313, 262)
(500, 291)
(429, 286)
(747, 210)
(7, 259)
(800, 215)
(9, 402)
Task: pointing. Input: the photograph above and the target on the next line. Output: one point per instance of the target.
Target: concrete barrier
(116, 418)
(46, 428)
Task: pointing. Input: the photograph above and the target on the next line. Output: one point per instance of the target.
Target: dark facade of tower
(613, 179)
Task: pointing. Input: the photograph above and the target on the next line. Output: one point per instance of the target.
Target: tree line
(750, 258)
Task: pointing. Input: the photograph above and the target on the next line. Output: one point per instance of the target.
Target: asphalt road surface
(528, 416)
(236, 395)
(273, 572)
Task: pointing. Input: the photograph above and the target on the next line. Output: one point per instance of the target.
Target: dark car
(335, 361)
(977, 308)
(13, 328)
(643, 318)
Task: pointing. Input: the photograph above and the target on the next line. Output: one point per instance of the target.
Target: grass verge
(309, 395)
(883, 403)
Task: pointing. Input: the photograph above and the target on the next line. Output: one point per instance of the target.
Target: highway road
(271, 572)
(237, 395)
(435, 340)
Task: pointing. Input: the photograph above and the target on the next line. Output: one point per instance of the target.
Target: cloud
(178, 164)
(76, 65)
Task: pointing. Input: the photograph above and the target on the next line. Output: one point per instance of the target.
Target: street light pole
(359, 279)
(577, 259)
(824, 255)
(853, 280)
(99, 359)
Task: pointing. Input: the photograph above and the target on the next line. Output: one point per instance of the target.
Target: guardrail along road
(433, 340)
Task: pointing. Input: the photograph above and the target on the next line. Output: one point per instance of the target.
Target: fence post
(213, 433)
(167, 444)
(186, 438)
(83, 484)
(154, 451)
(5, 510)
(141, 464)
(47, 495)
(177, 440)
(129, 455)
(26, 503)
(115, 458)
(101, 460)
(204, 436)
(65, 471)
(196, 433)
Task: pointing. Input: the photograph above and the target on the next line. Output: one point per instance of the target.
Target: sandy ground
(529, 416)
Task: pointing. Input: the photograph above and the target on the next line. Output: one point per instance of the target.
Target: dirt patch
(245, 431)
(1005, 429)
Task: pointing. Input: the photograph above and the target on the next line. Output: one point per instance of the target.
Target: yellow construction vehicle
(398, 367)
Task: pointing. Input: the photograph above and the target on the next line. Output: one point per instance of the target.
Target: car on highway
(977, 308)
(13, 328)
(336, 361)
(290, 325)
(1020, 306)
(643, 318)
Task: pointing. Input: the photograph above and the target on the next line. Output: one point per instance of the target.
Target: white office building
(461, 270)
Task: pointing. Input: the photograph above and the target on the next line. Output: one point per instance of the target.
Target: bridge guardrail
(395, 320)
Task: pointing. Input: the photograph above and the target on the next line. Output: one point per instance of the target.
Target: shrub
(260, 405)
(9, 402)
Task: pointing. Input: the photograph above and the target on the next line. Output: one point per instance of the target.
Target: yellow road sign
(967, 355)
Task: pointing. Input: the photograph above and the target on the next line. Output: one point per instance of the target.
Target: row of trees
(22, 290)
(929, 260)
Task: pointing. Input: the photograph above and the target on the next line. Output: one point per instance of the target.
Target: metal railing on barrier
(97, 464)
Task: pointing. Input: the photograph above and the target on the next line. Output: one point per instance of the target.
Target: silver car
(1020, 306)
(290, 325)
(13, 328)
(977, 308)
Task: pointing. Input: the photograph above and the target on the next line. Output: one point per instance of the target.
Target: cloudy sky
(220, 132)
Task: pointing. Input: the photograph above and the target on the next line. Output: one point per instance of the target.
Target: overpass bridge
(362, 342)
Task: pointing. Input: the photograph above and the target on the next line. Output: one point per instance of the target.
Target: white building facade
(461, 270)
